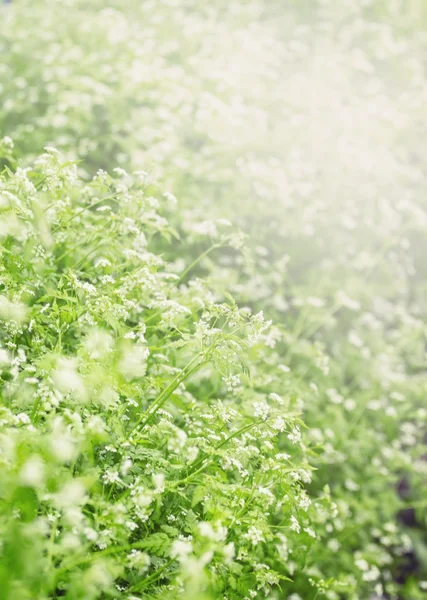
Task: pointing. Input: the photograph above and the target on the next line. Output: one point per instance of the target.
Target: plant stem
(192, 366)
(196, 262)
(153, 577)
(79, 212)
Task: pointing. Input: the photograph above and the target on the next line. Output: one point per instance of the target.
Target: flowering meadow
(213, 288)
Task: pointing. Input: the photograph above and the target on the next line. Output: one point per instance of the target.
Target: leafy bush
(138, 453)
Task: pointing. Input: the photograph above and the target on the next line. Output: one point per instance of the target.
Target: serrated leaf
(159, 543)
(199, 494)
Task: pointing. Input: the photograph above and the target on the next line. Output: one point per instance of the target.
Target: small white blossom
(261, 410)
(295, 526)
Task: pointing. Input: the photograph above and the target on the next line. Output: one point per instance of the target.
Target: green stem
(192, 366)
(51, 544)
(35, 409)
(95, 555)
(196, 262)
(82, 260)
(153, 577)
(186, 479)
(79, 212)
(201, 460)
(243, 429)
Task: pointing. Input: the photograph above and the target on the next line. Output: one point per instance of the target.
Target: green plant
(301, 122)
(145, 447)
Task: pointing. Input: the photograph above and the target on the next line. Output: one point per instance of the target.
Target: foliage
(302, 123)
(145, 446)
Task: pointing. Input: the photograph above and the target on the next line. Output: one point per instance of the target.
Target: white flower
(254, 535)
(276, 398)
(334, 545)
(295, 526)
(268, 496)
(181, 549)
(4, 357)
(98, 343)
(126, 467)
(261, 409)
(295, 435)
(228, 552)
(310, 532)
(218, 534)
(344, 300)
(159, 482)
(206, 530)
(62, 444)
(120, 172)
(170, 197)
(349, 404)
(12, 311)
(361, 564)
(23, 418)
(205, 228)
(8, 142)
(351, 485)
(192, 453)
(67, 379)
(177, 440)
(90, 534)
(139, 560)
(103, 262)
(32, 472)
(372, 574)
(283, 456)
(111, 476)
(279, 424)
(134, 361)
(232, 382)
(304, 502)
(71, 495)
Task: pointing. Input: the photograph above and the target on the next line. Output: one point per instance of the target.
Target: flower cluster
(133, 461)
(158, 366)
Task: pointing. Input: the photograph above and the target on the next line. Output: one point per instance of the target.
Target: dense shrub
(145, 446)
